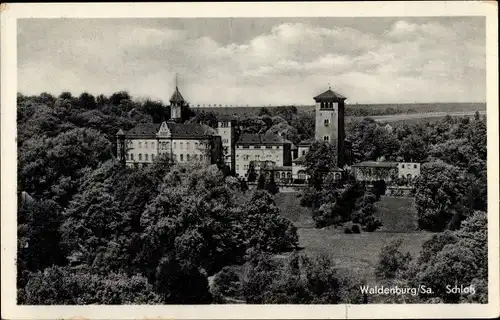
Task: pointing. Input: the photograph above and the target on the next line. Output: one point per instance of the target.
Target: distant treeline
(356, 110)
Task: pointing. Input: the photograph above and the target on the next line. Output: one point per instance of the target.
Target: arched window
(289, 175)
(181, 145)
(337, 176)
(152, 157)
(195, 157)
(132, 156)
(140, 156)
(146, 144)
(302, 175)
(187, 145)
(182, 157)
(283, 175)
(408, 176)
(146, 157)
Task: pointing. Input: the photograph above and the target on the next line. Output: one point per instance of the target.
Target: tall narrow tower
(330, 121)
(176, 104)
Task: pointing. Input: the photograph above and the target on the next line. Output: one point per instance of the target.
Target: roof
(177, 96)
(307, 142)
(178, 130)
(329, 95)
(226, 118)
(254, 138)
(376, 164)
(299, 159)
(144, 129)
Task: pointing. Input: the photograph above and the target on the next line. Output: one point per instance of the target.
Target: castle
(270, 153)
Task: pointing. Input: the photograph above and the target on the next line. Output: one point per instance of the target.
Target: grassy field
(356, 109)
(356, 252)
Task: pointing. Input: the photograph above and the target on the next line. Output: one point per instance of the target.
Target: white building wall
(257, 153)
(182, 150)
(408, 168)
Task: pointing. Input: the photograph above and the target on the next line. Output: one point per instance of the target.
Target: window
(146, 157)
(196, 144)
(132, 156)
(167, 145)
(152, 157)
(187, 157)
(181, 145)
(269, 147)
(326, 138)
(327, 122)
(257, 156)
(225, 140)
(237, 167)
(283, 175)
(302, 175)
(146, 144)
(195, 157)
(245, 147)
(152, 145)
(403, 166)
(175, 145)
(303, 152)
(140, 156)
(187, 145)
(182, 157)
(140, 145)
(414, 166)
(175, 157)
(245, 157)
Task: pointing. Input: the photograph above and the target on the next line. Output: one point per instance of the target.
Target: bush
(355, 229)
(392, 261)
(348, 227)
(227, 282)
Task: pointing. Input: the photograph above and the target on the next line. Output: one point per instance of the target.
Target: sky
(257, 61)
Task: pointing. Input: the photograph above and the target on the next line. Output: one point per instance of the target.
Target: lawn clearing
(356, 252)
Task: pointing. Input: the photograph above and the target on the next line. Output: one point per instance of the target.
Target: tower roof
(329, 95)
(177, 96)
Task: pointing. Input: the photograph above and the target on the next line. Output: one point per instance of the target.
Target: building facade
(258, 148)
(181, 142)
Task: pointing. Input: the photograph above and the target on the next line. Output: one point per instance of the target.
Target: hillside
(356, 252)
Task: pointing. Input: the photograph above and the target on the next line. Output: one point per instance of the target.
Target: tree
(441, 192)
(261, 182)
(392, 261)
(64, 286)
(271, 185)
(251, 174)
(319, 161)
(38, 238)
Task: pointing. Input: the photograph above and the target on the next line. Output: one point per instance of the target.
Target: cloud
(420, 61)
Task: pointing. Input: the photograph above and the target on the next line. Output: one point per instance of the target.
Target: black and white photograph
(226, 160)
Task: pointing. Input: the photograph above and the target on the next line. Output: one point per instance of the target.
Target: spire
(176, 86)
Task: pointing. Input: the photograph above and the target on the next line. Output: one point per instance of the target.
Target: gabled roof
(329, 95)
(176, 96)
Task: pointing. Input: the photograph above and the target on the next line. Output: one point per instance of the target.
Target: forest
(98, 233)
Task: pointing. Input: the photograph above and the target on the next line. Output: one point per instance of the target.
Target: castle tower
(225, 129)
(176, 104)
(330, 121)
